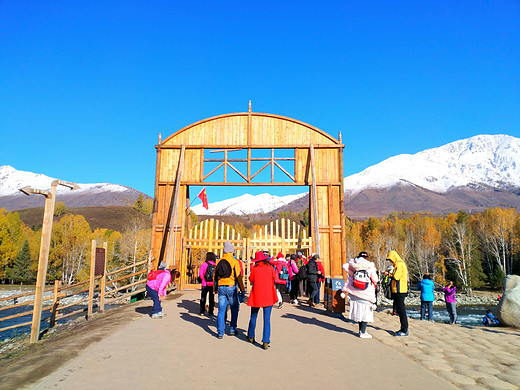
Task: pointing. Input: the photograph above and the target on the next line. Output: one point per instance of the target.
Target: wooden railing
(98, 296)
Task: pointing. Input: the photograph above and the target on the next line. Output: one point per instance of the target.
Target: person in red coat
(263, 294)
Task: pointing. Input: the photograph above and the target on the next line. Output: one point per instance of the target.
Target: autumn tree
(353, 236)
(461, 251)
(59, 209)
(70, 249)
(135, 243)
(496, 230)
(138, 205)
(11, 239)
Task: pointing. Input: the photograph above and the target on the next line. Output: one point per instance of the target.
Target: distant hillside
(110, 217)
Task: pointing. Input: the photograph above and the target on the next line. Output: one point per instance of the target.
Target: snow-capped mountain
(471, 174)
(483, 161)
(247, 204)
(93, 194)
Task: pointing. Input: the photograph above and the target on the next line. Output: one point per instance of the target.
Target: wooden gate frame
(318, 164)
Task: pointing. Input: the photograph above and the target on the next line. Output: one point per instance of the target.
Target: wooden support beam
(315, 204)
(103, 281)
(172, 236)
(43, 261)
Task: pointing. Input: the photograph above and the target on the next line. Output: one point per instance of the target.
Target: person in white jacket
(360, 286)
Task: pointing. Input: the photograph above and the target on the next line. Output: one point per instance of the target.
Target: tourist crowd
(271, 277)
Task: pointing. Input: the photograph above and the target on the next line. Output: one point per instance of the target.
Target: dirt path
(127, 349)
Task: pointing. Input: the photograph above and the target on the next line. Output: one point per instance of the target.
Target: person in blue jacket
(427, 296)
(489, 319)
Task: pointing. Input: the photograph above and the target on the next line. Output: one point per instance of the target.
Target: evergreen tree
(21, 270)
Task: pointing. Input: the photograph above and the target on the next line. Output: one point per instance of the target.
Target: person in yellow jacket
(399, 285)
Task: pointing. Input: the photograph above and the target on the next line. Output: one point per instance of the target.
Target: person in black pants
(207, 269)
(312, 278)
(399, 282)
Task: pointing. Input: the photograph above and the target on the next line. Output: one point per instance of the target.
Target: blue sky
(86, 87)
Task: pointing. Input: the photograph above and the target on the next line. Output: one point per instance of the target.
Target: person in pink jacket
(282, 274)
(156, 289)
(208, 267)
(294, 279)
(361, 291)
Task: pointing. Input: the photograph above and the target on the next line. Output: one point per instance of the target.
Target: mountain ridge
(470, 174)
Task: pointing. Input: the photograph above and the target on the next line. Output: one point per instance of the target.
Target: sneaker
(161, 314)
(280, 305)
(401, 333)
(265, 345)
(156, 316)
(250, 340)
(365, 335)
(232, 333)
(219, 336)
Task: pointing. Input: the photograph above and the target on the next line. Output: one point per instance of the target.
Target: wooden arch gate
(317, 161)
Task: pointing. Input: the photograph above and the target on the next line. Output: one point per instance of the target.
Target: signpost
(50, 200)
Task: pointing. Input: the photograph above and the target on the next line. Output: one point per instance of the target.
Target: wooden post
(342, 209)
(55, 304)
(103, 281)
(315, 205)
(92, 278)
(50, 199)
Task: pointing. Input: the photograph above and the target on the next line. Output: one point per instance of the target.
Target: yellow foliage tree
(70, 249)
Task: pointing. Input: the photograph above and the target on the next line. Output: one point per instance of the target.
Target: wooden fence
(281, 235)
(102, 290)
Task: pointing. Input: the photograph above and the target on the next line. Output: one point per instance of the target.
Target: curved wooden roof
(249, 129)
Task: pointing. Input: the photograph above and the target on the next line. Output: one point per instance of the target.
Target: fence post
(92, 278)
(55, 304)
(103, 280)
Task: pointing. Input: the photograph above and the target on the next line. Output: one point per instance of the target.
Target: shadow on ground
(317, 322)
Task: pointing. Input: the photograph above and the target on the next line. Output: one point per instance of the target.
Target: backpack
(284, 273)
(302, 272)
(223, 269)
(152, 275)
(361, 279)
(209, 272)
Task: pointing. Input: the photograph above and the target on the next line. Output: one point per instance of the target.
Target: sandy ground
(127, 349)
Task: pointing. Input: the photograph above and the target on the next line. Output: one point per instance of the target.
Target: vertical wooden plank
(315, 204)
(284, 243)
(91, 281)
(55, 304)
(211, 227)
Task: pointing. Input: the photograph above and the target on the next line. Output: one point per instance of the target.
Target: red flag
(202, 196)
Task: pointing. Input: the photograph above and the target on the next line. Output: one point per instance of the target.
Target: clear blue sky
(86, 87)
